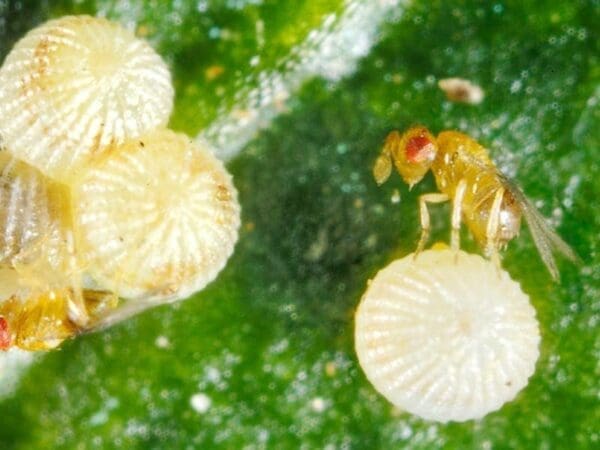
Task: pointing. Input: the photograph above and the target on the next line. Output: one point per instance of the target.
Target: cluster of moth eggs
(98, 198)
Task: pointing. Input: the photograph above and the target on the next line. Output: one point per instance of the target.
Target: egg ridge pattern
(446, 341)
(158, 208)
(73, 86)
(80, 94)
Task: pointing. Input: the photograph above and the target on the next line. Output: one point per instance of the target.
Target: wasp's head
(412, 153)
(5, 337)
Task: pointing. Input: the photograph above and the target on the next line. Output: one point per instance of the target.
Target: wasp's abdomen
(461, 158)
(477, 212)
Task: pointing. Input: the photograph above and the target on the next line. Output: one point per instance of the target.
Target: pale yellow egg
(36, 239)
(157, 219)
(75, 85)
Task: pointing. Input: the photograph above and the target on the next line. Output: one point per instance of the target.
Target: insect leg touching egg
(481, 195)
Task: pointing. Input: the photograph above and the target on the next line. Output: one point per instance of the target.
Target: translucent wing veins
(544, 237)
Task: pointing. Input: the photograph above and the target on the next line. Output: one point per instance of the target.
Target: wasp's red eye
(419, 149)
(4, 334)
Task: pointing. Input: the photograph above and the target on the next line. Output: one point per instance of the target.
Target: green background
(275, 331)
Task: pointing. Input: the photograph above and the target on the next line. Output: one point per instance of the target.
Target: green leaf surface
(266, 351)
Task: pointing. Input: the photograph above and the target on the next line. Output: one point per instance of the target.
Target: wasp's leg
(425, 223)
(76, 308)
(456, 215)
(493, 225)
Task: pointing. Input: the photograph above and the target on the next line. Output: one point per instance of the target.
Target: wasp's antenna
(383, 166)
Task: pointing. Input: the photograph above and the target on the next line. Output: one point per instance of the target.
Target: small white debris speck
(200, 402)
(330, 368)
(516, 86)
(162, 342)
(318, 404)
(461, 90)
(213, 375)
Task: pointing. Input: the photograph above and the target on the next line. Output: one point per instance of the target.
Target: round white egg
(157, 219)
(446, 336)
(76, 85)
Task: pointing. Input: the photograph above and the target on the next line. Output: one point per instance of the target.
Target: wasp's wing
(127, 309)
(545, 238)
(118, 315)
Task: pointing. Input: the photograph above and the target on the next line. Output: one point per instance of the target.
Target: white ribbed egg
(75, 85)
(35, 224)
(157, 219)
(446, 339)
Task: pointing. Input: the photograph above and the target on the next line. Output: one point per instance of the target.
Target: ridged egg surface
(75, 85)
(446, 339)
(157, 219)
(35, 223)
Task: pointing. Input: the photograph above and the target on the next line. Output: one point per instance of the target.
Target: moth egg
(75, 85)
(35, 224)
(446, 337)
(157, 219)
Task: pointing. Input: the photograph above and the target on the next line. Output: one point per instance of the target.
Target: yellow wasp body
(42, 320)
(481, 195)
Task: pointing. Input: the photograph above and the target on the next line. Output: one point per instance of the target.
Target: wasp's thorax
(41, 320)
(412, 153)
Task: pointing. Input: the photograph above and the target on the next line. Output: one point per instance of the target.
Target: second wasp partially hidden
(481, 195)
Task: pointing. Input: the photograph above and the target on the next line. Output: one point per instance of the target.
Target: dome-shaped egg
(446, 339)
(75, 85)
(157, 219)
